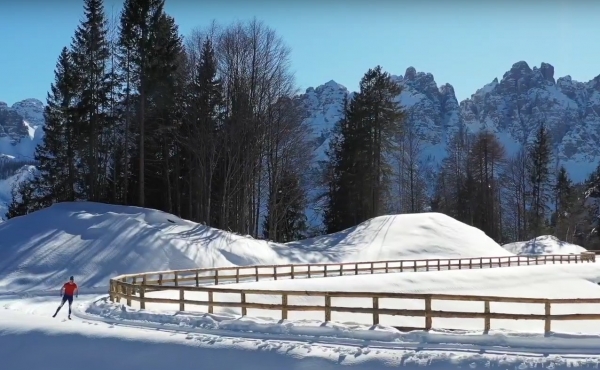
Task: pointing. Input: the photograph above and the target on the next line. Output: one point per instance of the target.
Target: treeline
(211, 128)
(519, 197)
(208, 128)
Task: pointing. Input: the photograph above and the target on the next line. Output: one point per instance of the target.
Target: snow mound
(95, 242)
(406, 236)
(546, 244)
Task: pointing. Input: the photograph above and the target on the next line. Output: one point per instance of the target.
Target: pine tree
(202, 127)
(375, 119)
(563, 202)
(538, 168)
(90, 61)
(139, 21)
(291, 201)
(359, 171)
(339, 210)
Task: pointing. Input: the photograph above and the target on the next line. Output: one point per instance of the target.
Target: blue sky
(464, 42)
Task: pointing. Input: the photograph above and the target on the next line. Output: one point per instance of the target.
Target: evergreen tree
(90, 61)
(538, 168)
(201, 130)
(563, 202)
(139, 21)
(360, 168)
(338, 213)
(375, 118)
(290, 199)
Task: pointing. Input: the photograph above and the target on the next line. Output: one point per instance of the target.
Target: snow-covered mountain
(512, 108)
(20, 132)
(20, 128)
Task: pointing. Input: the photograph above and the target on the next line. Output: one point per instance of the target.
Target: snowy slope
(96, 241)
(406, 236)
(546, 244)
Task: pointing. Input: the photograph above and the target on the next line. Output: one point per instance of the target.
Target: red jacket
(70, 288)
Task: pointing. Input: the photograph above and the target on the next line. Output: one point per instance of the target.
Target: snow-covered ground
(546, 244)
(95, 242)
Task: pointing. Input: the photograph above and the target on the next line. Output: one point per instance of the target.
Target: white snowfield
(95, 242)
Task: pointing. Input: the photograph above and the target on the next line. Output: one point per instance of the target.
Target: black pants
(65, 298)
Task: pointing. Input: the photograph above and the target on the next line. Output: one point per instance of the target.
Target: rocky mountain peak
(512, 107)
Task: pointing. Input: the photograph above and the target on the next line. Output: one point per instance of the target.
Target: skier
(69, 288)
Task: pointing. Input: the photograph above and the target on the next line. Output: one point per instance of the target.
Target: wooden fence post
(237, 275)
(274, 272)
(284, 299)
(547, 325)
(111, 291)
(256, 272)
(128, 290)
(176, 282)
(197, 279)
(428, 313)
(210, 302)
(327, 308)
(292, 271)
(181, 299)
(142, 297)
(243, 301)
(216, 277)
(486, 310)
(375, 311)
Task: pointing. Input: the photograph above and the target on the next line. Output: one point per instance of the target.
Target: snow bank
(406, 236)
(95, 242)
(546, 244)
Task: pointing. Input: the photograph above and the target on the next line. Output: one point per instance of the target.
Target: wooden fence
(133, 287)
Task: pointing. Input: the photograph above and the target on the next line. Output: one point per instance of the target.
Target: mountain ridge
(512, 107)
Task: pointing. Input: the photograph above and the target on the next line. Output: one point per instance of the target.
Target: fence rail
(134, 287)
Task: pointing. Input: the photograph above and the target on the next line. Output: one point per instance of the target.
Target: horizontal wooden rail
(134, 287)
